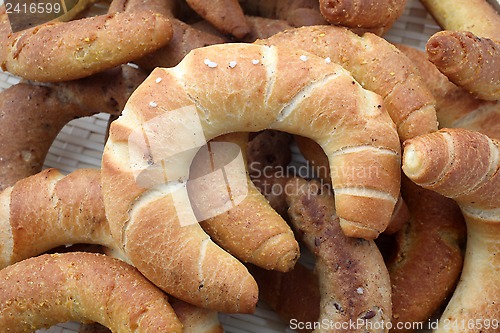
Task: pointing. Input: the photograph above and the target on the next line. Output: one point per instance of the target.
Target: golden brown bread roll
(251, 230)
(185, 37)
(368, 14)
(468, 61)
(132, 212)
(444, 162)
(353, 280)
(378, 66)
(428, 259)
(43, 291)
(62, 51)
(48, 210)
(455, 107)
(32, 115)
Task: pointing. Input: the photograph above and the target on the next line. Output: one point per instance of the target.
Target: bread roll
(86, 287)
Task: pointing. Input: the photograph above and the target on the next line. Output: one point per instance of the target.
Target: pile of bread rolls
(402, 220)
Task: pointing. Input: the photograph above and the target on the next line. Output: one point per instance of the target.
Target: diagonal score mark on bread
(233, 99)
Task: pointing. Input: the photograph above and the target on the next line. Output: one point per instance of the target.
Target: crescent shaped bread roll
(444, 162)
(353, 280)
(252, 230)
(378, 66)
(57, 51)
(48, 210)
(145, 166)
(42, 291)
(468, 61)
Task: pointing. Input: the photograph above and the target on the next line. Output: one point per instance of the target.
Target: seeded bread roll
(63, 51)
(86, 287)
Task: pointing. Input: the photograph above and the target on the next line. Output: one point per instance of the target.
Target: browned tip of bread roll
(251, 230)
(468, 61)
(42, 291)
(80, 48)
(226, 15)
(444, 162)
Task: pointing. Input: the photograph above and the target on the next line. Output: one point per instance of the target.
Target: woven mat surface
(80, 145)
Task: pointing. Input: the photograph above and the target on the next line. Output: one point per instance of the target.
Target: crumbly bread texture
(427, 261)
(378, 66)
(48, 210)
(42, 291)
(367, 14)
(456, 107)
(62, 51)
(31, 115)
(444, 162)
(476, 16)
(468, 61)
(354, 282)
(251, 230)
